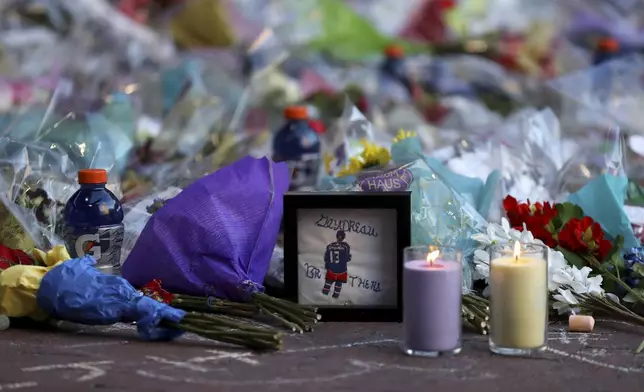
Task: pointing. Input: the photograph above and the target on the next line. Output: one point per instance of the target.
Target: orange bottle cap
(608, 44)
(296, 113)
(394, 51)
(92, 176)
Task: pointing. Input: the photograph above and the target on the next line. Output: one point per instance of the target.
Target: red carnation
(10, 257)
(536, 218)
(155, 291)
(585, 236)
(517, 213)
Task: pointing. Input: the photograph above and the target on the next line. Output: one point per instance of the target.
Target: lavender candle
(432, 301)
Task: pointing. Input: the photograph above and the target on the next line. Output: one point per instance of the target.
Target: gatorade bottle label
(103, 243)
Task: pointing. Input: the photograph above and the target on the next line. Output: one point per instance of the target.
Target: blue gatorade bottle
(607, 49)
(299, 145)
(394, 67)
(94, 222)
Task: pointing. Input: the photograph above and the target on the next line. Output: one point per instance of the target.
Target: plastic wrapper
(137, 213)
(94, 133)
(42, 150)
(233, 263)
(603, 152)
(189, 123)
(137, 41)
(38, 180)
(346, 139)
(498, 89)
(476, 18)
(596, 19)
(602, 95)
(529, 155)
(32, 194)
(440, 215)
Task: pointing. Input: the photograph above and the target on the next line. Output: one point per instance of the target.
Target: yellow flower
(327, 159)
(402, 135)
(354, 167)
(19, 284)
(372, 155)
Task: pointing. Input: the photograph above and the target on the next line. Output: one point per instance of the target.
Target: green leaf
(567, 211)
(572, 258)
(635, 194)
(640, 348)
(557, 224)
(615, 254)
(638, 270)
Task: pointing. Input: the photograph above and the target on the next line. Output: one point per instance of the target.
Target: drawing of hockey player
(336, 258)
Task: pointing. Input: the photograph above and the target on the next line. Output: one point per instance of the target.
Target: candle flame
(517, 250)
(432, 256)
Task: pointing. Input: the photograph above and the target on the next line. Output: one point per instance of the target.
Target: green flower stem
(245, 339)
(595, 264)
(609, 306)
(280, 320)
(300, 315)
(479, 323)
(474, 322)
(287, 314)
(215, 302)
(281, 302)
(476, 298)
(224, 322)
(471, 325)
(230, 312)
(477, 312)
(624, 285)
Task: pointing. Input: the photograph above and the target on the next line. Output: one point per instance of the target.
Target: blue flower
(631, 258)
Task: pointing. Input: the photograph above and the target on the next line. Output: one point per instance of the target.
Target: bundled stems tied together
(229, 331)
(475, 313)
(297, 318)
(214, 305)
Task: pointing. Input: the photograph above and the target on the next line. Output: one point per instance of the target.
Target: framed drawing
(343, 253)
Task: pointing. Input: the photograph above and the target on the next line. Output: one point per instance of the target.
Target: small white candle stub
(580, 323)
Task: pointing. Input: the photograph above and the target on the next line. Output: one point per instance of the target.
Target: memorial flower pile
(586, 271)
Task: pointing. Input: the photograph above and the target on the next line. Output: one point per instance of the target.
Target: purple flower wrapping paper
(217, 236)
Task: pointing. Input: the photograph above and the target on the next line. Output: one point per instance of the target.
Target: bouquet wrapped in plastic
(42, 151)
(214, 240)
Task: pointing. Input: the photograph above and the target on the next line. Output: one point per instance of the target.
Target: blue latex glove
(603, 200)
(75, 291)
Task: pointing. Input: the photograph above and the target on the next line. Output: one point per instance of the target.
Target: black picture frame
(295, 201)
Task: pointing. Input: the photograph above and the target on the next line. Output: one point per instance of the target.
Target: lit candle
(432, 301)
(519, 299)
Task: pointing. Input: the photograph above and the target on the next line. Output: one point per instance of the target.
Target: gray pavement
(336, 357)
